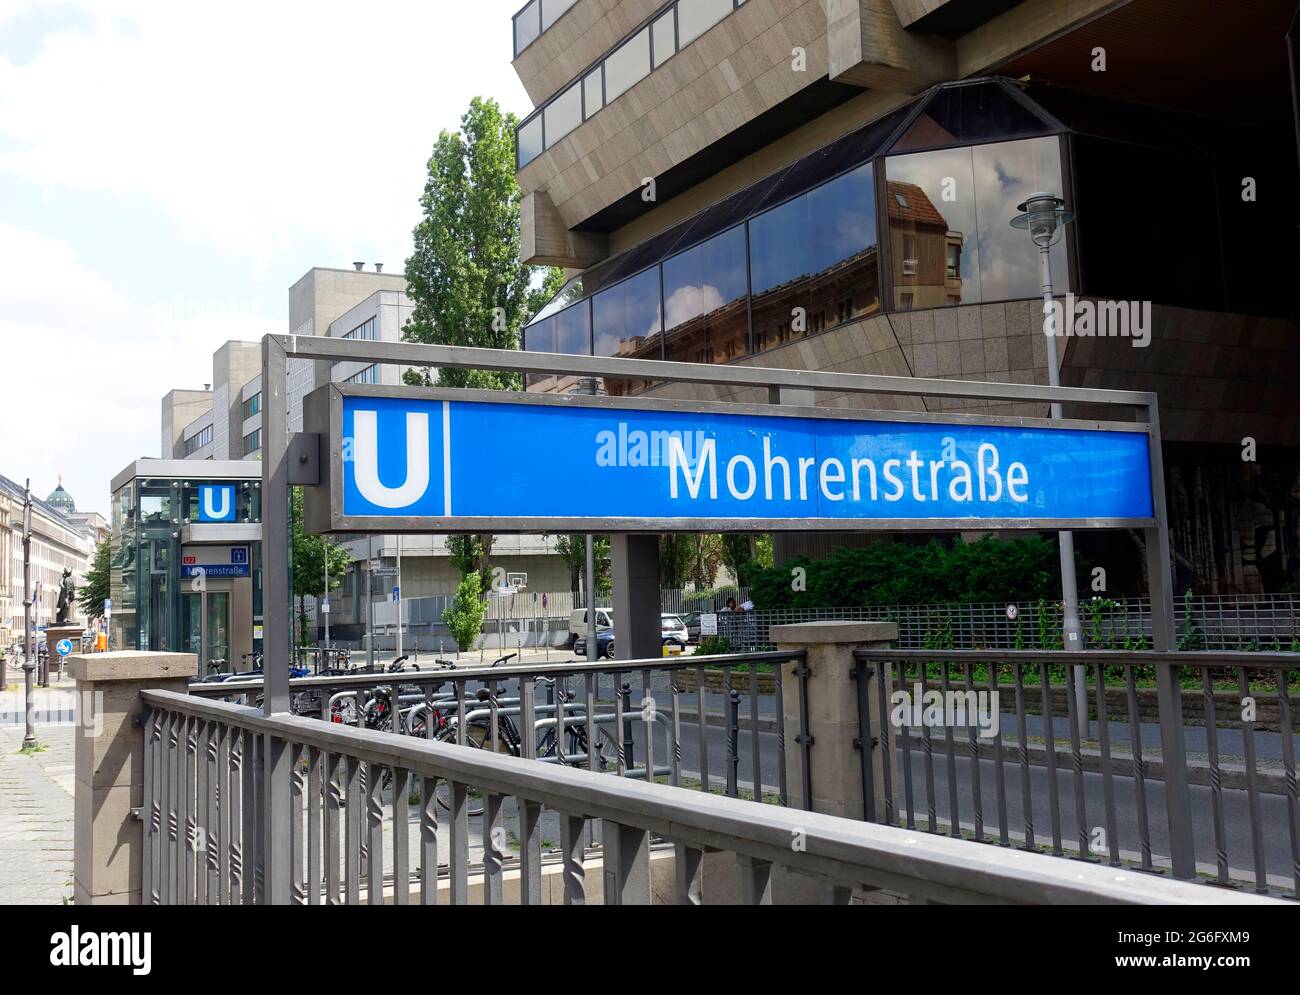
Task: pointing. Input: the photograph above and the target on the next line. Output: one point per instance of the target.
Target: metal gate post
(1178, 802)
(275, 600)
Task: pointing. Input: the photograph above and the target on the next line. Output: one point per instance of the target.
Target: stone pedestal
(108, 837)
(832, 691)
(53, 635)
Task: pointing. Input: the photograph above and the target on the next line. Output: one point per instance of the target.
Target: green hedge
(897, 573)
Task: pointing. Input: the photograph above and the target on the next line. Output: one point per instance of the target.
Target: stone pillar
(108, 835)
(832, 693)
(635, 575)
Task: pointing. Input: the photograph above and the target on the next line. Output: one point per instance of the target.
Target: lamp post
(1044, 216)
(29, 643)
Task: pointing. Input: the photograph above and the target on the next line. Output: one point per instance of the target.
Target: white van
(578, 623)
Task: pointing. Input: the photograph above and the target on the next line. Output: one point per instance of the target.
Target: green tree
(465, 616)
(572, 549)
(464, 275)
(96, 589)
(310, 555)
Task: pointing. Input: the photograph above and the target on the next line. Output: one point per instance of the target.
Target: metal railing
(211, 771)
(703, 721)
(1255, 622)
(1239, 775)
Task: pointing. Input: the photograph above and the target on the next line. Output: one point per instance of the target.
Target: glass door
(205, 630)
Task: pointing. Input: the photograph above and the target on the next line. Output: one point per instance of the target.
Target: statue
(67, 596)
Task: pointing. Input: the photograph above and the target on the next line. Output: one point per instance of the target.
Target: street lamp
(1044, 216)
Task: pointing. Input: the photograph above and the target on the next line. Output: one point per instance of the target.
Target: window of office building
(369, 375)
(252, 442)
(664, 38)
(367, 331)
(779, 270)
(694, 17)
(563, 114)
(950, 214)
(705, 301)
(627, 65)
(593, 92)
(529, 137)
(252, 405)
(196, 442)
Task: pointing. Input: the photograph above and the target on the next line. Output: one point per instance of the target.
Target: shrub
(465, 616)
(712, 646)
(899, 573)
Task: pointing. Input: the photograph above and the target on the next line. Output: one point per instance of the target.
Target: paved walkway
(36, 816)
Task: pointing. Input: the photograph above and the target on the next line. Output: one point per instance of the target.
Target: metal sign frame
(280, 471)
(324, 510)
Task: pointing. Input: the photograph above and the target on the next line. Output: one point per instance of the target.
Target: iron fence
(1205, 622)
(1217, 736)
(244, 808)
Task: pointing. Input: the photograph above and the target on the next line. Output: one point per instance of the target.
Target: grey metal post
(592, 655)
(276, 589)
(590, 385)
(1072, 630)
(326, 614)
(398, 585)
(29, 644)
(1169, 695)
(370, 603)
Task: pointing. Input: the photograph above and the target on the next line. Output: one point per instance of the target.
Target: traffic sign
(63, 647)
(397, 594)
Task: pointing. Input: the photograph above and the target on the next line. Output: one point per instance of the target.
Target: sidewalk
(36, 816)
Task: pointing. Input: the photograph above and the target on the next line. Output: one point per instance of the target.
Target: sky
(169, 169)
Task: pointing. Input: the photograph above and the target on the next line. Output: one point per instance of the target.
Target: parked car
(578, 623)
(604, 645)
(692, 621)
(673, 630)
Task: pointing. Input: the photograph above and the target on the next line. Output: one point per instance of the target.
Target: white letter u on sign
(210, 509)
(365, 431)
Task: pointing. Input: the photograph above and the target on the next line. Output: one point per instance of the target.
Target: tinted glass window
(552, 9)
(950, 213)
(573, 330)
(969, 114)
(527, 26)
(563, 114)
(705, 306)
(665, 41)
(628, 65)
(625, 318)
(694, 17)
(530, 140)
(778, 252)
(1005, 175)
(591, 88)
(843, 252)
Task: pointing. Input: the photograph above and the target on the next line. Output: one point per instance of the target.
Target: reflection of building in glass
(927, 256)
(766, 234)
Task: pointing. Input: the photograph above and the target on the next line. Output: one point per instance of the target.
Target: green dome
(62, 500)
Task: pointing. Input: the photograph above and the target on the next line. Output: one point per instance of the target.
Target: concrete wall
(179, 409)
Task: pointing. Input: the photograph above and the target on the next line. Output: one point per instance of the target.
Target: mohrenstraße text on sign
(449, 459)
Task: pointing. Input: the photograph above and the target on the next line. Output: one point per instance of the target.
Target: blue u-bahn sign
(440, 460)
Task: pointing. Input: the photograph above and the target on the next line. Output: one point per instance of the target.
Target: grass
(31, 751)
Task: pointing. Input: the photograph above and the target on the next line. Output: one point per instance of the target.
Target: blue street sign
(214, 561)
(216, 502)
(418, 458)
(397, 594)
(63, 647)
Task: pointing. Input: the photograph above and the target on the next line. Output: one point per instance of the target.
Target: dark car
(604, 645)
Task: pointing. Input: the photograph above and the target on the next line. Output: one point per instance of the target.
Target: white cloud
(250, 138)
(256, 124)
(84, 368)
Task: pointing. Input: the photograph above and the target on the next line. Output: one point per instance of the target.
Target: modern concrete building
(814, 185)
(157, 503)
